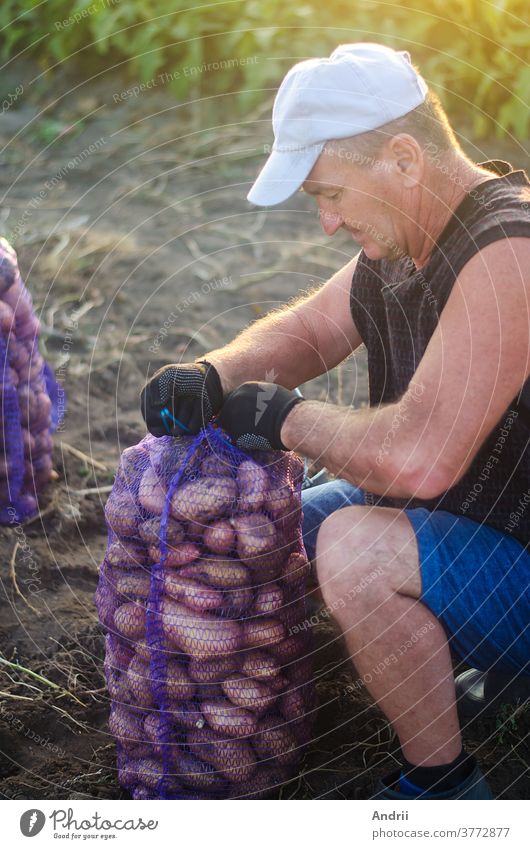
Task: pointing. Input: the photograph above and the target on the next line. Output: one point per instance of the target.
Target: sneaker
(483, 693)
(475, 786)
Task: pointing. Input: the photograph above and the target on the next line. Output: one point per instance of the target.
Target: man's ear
(407, 157)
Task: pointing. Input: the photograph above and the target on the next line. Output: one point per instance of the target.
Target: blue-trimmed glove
(253, 414)
(181, 398)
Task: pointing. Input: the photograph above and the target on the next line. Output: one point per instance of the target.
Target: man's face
(365, 199)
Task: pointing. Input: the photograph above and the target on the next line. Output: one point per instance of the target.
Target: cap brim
(283, 174)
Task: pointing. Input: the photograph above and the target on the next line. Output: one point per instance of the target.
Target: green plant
(508, 719)
(476, 53)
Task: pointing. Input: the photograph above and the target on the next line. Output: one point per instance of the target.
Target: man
(427, 512)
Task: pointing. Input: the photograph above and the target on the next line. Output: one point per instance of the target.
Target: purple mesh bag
(201, 592)
(27, 411)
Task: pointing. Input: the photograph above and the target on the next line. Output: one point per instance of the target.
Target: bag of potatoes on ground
(200, 592)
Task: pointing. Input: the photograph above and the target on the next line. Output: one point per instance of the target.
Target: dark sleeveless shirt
(396, 309)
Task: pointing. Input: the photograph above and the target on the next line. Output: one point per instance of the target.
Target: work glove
(253, 414)
(181, 399)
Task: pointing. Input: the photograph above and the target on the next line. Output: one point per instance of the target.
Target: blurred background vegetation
(474, 53)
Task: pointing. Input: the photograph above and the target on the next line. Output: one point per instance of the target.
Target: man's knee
(339, 541)
(356, 543)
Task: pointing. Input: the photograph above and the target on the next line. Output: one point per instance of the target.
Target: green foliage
(474, 52)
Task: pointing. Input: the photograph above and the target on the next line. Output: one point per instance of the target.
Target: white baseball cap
(359, 88)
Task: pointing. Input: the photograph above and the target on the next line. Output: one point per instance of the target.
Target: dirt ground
(124, 212)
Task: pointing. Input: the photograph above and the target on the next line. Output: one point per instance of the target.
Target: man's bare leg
(398, 646)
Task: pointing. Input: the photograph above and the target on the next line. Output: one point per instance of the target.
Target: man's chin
(374, 250)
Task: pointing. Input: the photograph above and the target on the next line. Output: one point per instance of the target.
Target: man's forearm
(278, 348)
(372, 448)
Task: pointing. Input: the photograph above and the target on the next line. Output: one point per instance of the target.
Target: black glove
(253, 414)
(181, 398)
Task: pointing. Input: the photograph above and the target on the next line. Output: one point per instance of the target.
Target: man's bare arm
(295, 343)
(476, 362)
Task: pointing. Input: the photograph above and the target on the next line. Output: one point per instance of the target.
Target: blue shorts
(475, 579)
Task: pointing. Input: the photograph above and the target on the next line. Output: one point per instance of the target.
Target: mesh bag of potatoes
(30, 398)
(200, 592)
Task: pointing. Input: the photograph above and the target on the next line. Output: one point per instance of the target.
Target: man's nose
(330, 222)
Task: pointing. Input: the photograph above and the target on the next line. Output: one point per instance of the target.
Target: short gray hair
(427, 123)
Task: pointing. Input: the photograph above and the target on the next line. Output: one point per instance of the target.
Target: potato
(261, 665)
(117, 654)
(279, 683)
(194, 594)
(117, 686)
(124, 724)
(179, 685)
(19, 353)
(136, 751)
(288, 521)
(248, 693)
(31, 371)
(177, 555)
(152, 492)
(219, 536)
(147, 770)
(9, 273)
(234, 758)
(223, 572)
(195, 530)
(42, 416)
(294, 614)
(18, 298)
(143, 650)
(256, 536)
(133, 585)
(216, 467)
(236, 602)
(225, 718)
(142, 793)
(301, 671)
(149, 531)
(275, 742)
(133, 462)
(125, 553)
(42, 443)
(267, 565)
(7, 319)
(253, 486)
(194, 772)
(129, 620)
(268, 599)
(292, 705)
(204, 499)
(107, 604)
(264, 784)
(297, 569)
(207, 692)
(278, 499)
(154, 728)
(198, 634)
(187, 715)
(42, 467)
(28, 405)
(259, 633)
(139, 682)
(212, 669)
(28, 504)
(289, 649)
(12, 377)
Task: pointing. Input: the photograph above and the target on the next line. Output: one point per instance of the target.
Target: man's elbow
(423, 476)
